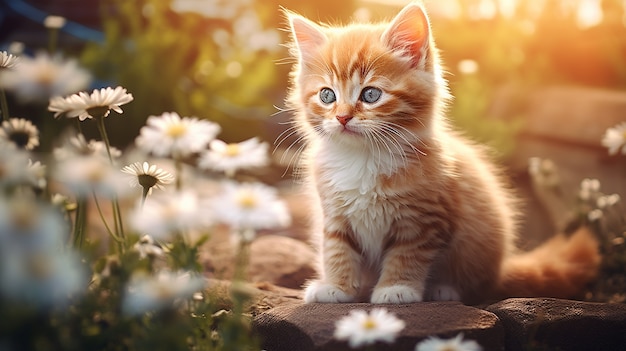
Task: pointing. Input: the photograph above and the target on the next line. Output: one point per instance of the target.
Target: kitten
(408, 209)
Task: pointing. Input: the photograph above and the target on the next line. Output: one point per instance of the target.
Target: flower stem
(179, 172)
(117, 214)
(95, 198)
(52, 40)
(105, 137)
(144, 194)
(4, 105)
(80, 222)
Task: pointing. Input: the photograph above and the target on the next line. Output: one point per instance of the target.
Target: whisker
(286, 134)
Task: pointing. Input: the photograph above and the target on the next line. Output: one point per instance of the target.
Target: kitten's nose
(344, 119)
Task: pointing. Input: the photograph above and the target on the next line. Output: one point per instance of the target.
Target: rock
(260, 296)
(275, 259)
(308, 327)
(281, 261)
(561, 324)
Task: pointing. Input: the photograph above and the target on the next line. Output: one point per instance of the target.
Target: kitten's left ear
(409, 33)
(307, 35)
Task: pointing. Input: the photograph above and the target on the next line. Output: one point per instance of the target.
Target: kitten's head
(362, 83)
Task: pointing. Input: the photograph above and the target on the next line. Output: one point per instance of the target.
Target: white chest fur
(353, 177)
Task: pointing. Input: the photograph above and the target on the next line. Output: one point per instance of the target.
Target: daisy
(454, 344)
(544, 172)
(589, 189)
(607, 201)
(147, 248)
(168, 214)
(29, 226)
(147, 176)
(7, 60)
(229, 158)
(20, 132)
(54, 22)
(87, 175)
(44, 76)
(77, 146)
(250, 206)
(615, 139)
(44, 279)
(169, 134)
(36, 174)
(97, 104)
(13, 165)
(360, 328)
(148, 293)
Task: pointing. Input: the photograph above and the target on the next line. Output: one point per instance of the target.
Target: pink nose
(344, 119)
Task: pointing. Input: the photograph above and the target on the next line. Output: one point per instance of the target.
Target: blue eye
(370, 94)
(327, 96)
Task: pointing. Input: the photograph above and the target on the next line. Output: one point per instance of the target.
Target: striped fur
(407, 209)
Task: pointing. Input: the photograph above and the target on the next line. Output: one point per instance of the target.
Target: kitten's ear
(409, 33)
(307, 35)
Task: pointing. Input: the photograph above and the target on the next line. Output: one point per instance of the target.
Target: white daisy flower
(28, 226)
(86, 175)
(147, 176)
(589, 189)
(97, 104)
(147, 248)
(77, 146)
(595, 215)
(607, 201)
(45, 279)
(615, 139)
(360, 328)
(543, 172)
(7, 60)
(13, 165)
(228, 158)
(167, 214)
(148, 293)
(35, 267)
(250, 206)
(20, 132)
(454, 344)
(54, 22)
(171, 135)
(36, 174)
(42, 77)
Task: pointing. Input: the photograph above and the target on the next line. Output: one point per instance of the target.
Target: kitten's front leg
(404, 271)
(341, 279)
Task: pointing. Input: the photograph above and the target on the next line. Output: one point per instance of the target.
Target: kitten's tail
(560, 268)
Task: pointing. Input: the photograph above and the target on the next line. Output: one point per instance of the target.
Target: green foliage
(472, 99)
(97, 320)
(183, 62)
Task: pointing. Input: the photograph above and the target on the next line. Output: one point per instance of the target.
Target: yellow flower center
(46, 77)
(232, 150)
(176, 130)
(369, 324)
(246, 200)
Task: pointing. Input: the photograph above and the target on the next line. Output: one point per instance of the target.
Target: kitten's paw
(396, 294)
(445, 293)
(325, 293)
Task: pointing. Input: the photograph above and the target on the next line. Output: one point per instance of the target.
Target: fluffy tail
(561, 267)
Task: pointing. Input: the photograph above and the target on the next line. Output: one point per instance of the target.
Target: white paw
(325, 293)
(445, 293)
(396, 294)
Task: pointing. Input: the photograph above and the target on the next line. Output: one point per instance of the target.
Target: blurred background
(536, 78)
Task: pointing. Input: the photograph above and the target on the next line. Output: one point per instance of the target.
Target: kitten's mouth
(349, 131)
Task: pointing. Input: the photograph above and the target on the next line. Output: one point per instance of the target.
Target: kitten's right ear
(307, 35)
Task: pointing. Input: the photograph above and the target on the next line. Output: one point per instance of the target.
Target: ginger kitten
(408, 209)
